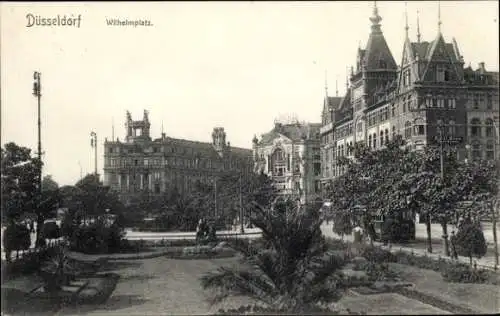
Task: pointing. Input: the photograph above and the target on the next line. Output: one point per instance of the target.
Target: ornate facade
(429, 97)
(141, 165)
(290, 155)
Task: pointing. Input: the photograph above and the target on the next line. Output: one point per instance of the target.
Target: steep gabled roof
(377, 54)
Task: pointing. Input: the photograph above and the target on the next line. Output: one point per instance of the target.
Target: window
(451, 128)
(489, 102)
(157, 188)
(407, 129)
(440, 73)
(374, 140)
(476, 151)
(490, 150)
(146, 161)
(410, 105)
(317, 168)
(489, 127)
(447, 76)
(393, 110)
(475, 103)
(452, 103)
(428, 102)
(359, 127)
(393, 132)
(110, 150)
(475, 129)
(136, 162)
(386, 135)
(419, 127)
(370, 141)
(381, 138)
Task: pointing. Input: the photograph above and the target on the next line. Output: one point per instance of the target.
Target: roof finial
(439, 16)
(406, 19)
(375, 18)
(336, 87)
(162, 127)
(418, 27)
(326, 83)
(112, 129)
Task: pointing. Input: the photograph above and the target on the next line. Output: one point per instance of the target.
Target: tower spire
(439, 16)
(326, 83)
(346, 78)
(336, 88)
(406, 19)
(162, 127)
(112, 129)
(418, 27)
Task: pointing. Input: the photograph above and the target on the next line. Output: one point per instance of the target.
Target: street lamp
(37, 92)
(93, 144)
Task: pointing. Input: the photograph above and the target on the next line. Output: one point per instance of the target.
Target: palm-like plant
(57, 271)
(290, 269)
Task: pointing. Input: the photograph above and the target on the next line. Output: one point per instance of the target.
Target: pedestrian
(454, 254)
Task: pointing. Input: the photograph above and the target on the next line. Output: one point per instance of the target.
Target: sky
(238, 65)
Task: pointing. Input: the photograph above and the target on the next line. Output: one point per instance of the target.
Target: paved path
(159, 286)
(420, 248)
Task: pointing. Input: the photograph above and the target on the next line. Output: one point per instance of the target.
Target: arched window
(451, 128)
(382, 138)
(419, 127)
(374, 140)
(407, 129)
(393, 132)
(370, 141)
(489, 127)
(386, 135)
(475, 128)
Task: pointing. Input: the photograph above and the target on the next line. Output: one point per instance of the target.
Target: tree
(470, 241)
(48, 184)
(291, 269)
(20, 181)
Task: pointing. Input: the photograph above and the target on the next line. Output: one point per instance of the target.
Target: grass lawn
(388, 304)
(483, 298)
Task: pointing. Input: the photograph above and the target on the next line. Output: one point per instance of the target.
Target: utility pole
(37, 92)
(242, 229)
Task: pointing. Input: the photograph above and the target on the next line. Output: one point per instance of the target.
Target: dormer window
(440, 71)
(382, 64)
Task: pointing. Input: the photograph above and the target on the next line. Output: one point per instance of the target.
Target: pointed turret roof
(377, 54)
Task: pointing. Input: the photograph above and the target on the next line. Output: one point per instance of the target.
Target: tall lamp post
(37, 92)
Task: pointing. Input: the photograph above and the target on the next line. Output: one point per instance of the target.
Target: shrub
(461, 273)
(377, 254)
(97, 238)
(51, 230)
(469, 241)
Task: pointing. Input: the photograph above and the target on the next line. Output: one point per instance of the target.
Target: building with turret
(430, 97)
(290, 155)
(141, 165)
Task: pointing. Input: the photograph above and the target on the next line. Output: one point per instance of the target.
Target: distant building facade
(430, 95)
(141, 165)
(290, 155)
